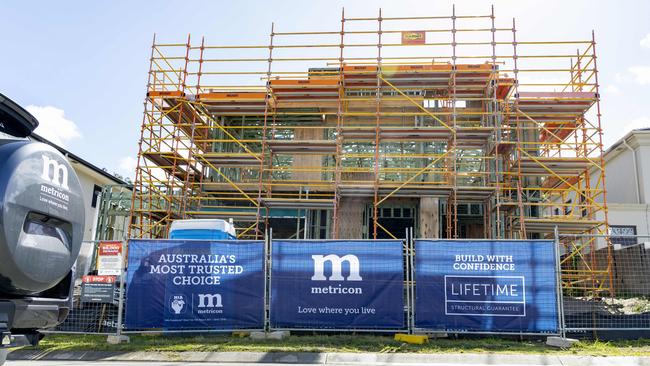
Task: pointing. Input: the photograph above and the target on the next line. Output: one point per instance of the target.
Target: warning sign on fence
(98, 289)
(109, 258)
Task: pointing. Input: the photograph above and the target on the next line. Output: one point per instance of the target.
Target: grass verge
(336, 343)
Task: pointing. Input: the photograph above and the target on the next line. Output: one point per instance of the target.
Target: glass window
(567, 207)
(623, 234)
(97, 190)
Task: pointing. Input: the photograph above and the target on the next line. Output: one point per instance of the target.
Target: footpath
(410, 359)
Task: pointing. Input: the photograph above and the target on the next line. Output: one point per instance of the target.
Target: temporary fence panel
(486, 286)
(94, 297)
(192, 284)
(337, 284)
(624, 311)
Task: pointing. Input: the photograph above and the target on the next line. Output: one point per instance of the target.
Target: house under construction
(449, 124)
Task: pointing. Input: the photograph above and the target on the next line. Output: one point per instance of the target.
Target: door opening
(396, 219)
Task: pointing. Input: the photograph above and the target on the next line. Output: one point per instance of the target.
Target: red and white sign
(99, 289)
(98, 279)
(109, 258)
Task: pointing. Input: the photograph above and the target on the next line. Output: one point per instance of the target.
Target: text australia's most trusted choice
(181, 284)
(337, 284)
(492, 286)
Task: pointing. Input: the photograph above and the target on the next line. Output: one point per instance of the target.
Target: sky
(81, 66)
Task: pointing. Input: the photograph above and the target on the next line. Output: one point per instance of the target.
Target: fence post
(558, 276)
(412, 269)
(407, 278)
(119, 337)
(267, 276)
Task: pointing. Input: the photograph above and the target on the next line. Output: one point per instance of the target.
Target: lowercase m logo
(59, 175)
(210, 301)
(337, 265)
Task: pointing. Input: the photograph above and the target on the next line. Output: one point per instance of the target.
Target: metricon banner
(490, 286)
(337, 284)
(460, 285)
(191, 284)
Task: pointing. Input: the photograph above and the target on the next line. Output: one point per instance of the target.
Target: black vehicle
(41, 229)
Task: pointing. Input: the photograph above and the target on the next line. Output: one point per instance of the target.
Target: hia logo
(336, 264)
(177, 304)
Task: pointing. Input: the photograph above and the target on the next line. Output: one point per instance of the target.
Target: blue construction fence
(421, 285)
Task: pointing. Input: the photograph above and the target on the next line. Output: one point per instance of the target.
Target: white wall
(88, 178)
(643, 161)
(626, 214)
(635, 214)
(619, 178)
(627, 197)
(87, 185)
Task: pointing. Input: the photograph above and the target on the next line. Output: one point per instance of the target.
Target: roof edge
(75, 157)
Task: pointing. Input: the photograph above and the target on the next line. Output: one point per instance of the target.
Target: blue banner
(337, 284)
(186, 284)
(494, 286)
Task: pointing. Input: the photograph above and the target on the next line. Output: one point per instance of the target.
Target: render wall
(628, 214)
(643, 162)
(87, 185)
(621, 187)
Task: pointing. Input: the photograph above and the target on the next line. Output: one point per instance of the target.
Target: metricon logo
(336, 263)
(59, 175)
(210, 301)
(209, 304)
(337, 266)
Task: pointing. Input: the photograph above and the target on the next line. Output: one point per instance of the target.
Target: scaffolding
(453, 107)
(114, 212)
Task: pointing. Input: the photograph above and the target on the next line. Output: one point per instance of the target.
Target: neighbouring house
(92, 179)
(627, 167)
(96, 183)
